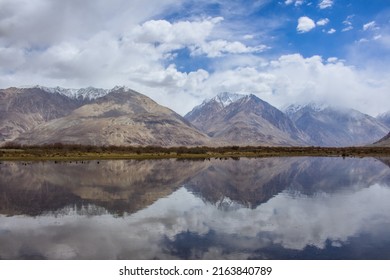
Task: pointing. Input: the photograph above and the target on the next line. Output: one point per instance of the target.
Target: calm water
(275, 208)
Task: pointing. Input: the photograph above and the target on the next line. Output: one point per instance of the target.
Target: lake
(260, 208)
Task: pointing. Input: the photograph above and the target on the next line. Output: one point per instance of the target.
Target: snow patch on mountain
(226, 98)
(89, 93)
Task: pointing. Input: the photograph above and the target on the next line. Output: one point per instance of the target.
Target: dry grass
(78, 152)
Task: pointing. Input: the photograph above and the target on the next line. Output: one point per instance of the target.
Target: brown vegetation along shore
(75, 152)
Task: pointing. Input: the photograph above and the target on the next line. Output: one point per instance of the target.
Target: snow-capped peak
(223, 99)
(124, 88)
(82, 93)
(226, 98)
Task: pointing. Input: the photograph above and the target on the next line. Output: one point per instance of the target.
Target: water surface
(270, 208)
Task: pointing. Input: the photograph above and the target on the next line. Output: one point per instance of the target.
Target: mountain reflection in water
(271, 208)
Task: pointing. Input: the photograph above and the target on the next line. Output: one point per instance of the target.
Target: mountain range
(120, 116)
(336, 127)
(245, 120)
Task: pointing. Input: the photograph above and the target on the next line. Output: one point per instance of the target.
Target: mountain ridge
(120, 117)
(336, 126)
(248, 120)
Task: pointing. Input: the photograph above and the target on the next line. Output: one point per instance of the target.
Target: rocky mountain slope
(330, 126)
(383, 142)
(245, 120)
(121, 117)
(22, 109)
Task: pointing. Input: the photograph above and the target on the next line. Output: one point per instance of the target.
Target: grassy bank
(79, 152)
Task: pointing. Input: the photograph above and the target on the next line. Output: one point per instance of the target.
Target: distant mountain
(330, 126)
(384, 118)
(120, 117)
(201, 114)
(244, 120)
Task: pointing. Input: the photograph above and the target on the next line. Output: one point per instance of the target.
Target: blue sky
(181, 52)
(339, 26)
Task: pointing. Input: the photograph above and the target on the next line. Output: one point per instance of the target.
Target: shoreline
(63, 152)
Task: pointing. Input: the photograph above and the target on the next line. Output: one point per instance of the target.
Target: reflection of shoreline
(118, 186)
(128, 186)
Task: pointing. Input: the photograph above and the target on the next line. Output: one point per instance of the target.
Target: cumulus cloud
(175, 35)
(50, 22)
(192, 35)
(296, 79)
(331, 31)
(323, 22)
(94, 43)
(305, 24)
(324, 4)
(102, 46)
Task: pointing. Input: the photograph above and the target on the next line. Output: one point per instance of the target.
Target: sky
(179, 53)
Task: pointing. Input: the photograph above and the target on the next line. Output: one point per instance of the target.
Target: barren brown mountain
(245, 120)
(123, 117)
(22, 109)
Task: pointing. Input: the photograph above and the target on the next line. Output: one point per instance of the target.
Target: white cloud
(296, 2)
(363, 40)
(325, 4)
(331, 31)
(370, 26)
(332, 60)
(305, 24)
(323, 22)
(348, 28)
(193, 35)
(295, 79)
(248, 37)
(57, 21)
(103, 46)
(219, 47)
(178, 34)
